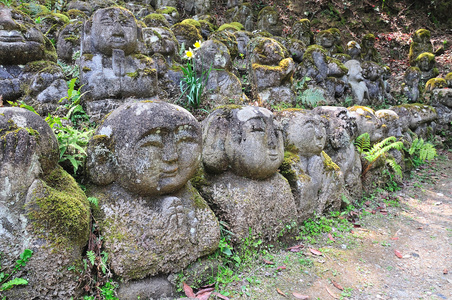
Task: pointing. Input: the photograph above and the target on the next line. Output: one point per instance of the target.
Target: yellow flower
(198, 44)
(189, 53)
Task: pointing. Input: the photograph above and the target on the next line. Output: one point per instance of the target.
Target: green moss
(167, 10)
(365, 108)
(86, 69)
(448, 76)
(192, 22)
(190, 32)
(42, 66)
(75, 13)
(369, 37)
(329, 163)
(60, 209)
(422, 33)
(198, 201)
(229, 27)
(238, 25)
(430, 56)
(286, 170)
(206, 25)
(268, 10)
(155, 20)
(199, 179)
(88, 56)
(338, 63)
(32, 8)
(435, 83)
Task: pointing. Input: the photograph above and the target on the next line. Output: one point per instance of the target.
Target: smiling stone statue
(153, 220)
(111, 67)
(242, 151)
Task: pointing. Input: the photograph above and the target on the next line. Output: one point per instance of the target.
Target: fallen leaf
(398, 254)
(280, 268)
(300, 296)
(188, 291)
(296, 248)
(445, 271)
(331, 237)
(314, 251)
(268, 262)
(337, 285)
(352, 232)
(420, 228)
(374, 212)
(356, 225)
(383, 212)
(394, 238)
(203, 294)
(280, 292)
(367, 203)
(329, 292)
(220, 296)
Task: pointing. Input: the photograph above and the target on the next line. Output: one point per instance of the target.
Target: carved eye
(152, 140)
(256, 128)
(186, 136)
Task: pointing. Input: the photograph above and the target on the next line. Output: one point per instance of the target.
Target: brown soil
(402, 250)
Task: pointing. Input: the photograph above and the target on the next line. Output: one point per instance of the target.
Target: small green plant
(76, 113)
(379, 150)
(6, 3)
(71, 71)
(308, 97)
(5, 282)
(421, 151)
(72, 142)
(192, 84)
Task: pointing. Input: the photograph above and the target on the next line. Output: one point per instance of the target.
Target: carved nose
(169, 152)
(6, 21)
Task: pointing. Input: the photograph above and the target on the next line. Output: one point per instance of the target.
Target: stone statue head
(392, 125)
(425, 61)
(246, 140)
(354, 50)
(266, 51)
(20, 41)
(367, 122)
(213, 53)
(325, 38)
(160, 40)
(113, 28)
(412, 76)
(371, 70)
(149, 148)
(304, 131)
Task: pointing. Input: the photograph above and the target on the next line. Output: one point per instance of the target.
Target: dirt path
(403, 250)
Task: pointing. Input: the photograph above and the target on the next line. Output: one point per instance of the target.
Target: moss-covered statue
(330, 40)
(28, 68)
(242, 14)
(316, 181)
(187, 33)
(354, 50)
(411, 84)
(268, 20)
(111, 68)
(427, 65)
(41, 208)
(420, 43)
(441, 99)
(326, 74)
(367, 121)
(270, 71)
(140, 160)
(391, 125)
(368, 51)
(221, 87)
(296, 48)
(242, 151)
(301, 30)
(341, 131)
(416, 118)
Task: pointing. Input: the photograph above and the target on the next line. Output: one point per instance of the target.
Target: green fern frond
(427, 151)
(395, 166)
(383, 147)
(362, 142)
(91, 256)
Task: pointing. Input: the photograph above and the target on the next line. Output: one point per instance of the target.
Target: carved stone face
(424, 64)
(213, 53)
(306, 132)
(354, 71)
(242, 41)
(258, 150)
(325, 40)
(268, 52)
(157, 146)
(371, 71)
(367, 122)
(114, 28)
(160, 40)
(20, 42)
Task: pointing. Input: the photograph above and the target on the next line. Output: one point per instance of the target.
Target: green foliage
(7, 3)
(72, 142)
(71, 71)
(380, 149)
(76, 113)
(94, 201)
(192, 84)
(421, 151)
(107, 292)
(362, 143)
(314, 227)
(308, 97)
(5, 282)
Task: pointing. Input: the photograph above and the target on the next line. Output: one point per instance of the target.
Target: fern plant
(421, 151)
(362, 143)
(5, 282)
(380, 150)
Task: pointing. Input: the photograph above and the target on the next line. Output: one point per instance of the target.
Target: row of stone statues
(163, 180)
(123, 59)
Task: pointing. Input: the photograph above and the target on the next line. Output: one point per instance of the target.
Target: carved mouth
(166, 173)
(273, 156)
(117, 40)
(11, 36)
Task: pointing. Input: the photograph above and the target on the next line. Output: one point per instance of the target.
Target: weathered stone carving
(316, 181)
(368, 51)
(420, 44)
(41, 208)
(270, 72)
(242, 150)
(341, 131)
(367, 121)
(242, 14)
(330, 40)
(372, 73)
(356, 81)
(427, 65)
(27, 67)
(140, 160)
(354, 50)
(391, 123)
(268, 20)
(417, 118)
(301, 30)
(111, 67)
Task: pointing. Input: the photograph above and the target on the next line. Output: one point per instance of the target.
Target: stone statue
(268, 20)
(111, 67)
(356, 81)
(420, 43)
(373, 77)
(427, 65)
(391, 123)
(28, 68)
(417, 118)
(410, 85)
(302, 31)
(222, 87)
(367, 121)
(270, 72)
(354, 50)
(316, 181)
(242, 151)
(140, 160)
(368, 51)
(330, 40)
(341, 131)
(41, 208)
